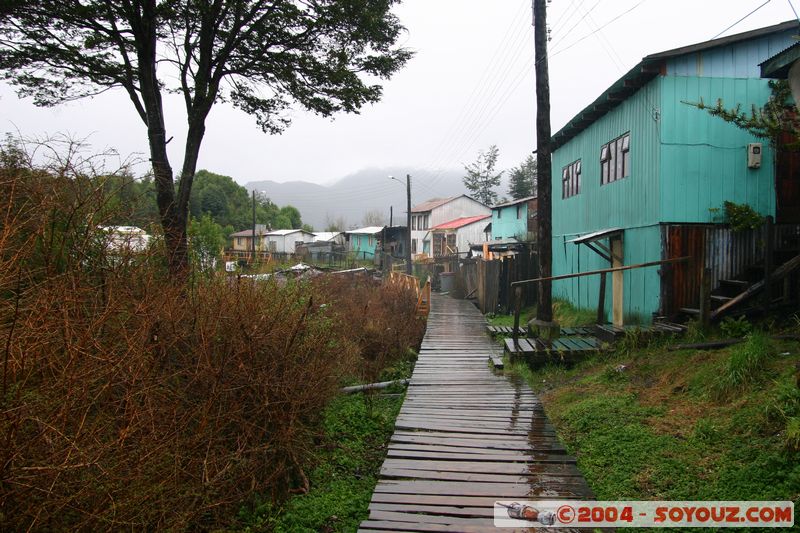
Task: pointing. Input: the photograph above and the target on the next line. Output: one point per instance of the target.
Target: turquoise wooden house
(639, 175)
(515, 220)
(364, 241)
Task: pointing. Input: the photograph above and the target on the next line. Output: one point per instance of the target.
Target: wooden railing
(601, 299)
(411, 283)
(424, 299)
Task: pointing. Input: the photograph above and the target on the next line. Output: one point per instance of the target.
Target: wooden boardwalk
(466, 437)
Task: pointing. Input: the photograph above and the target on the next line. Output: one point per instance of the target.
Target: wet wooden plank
(466, 436)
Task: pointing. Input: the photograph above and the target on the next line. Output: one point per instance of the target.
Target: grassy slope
(684, 425)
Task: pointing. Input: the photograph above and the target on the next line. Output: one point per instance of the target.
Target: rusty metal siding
(726, 253)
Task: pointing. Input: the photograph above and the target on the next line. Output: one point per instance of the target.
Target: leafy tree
(481, 178)
(262, 56)
(522, 179)
(292, 215)
(231, 205)
(206, 241)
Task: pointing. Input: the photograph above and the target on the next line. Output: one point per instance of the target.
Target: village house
(333, 237)
(437, 211)
(284, 241)
(639, 175)
(242, 241)
(276, 241)
(364, 241)
(515, 220)
(456, 236)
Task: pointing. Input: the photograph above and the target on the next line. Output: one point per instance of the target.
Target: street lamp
(408, 221)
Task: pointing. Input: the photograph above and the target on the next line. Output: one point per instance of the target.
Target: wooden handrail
(603, 272)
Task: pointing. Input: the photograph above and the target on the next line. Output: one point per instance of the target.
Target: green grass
(660, 429)
(564, 313)
(356, 433)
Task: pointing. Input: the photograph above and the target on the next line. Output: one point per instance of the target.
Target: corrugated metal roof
(369, 230)
(286, 232)
(778, 65)
(515, 202)
(431, 204)
(261, 229)
(326, 235)
(460, 222)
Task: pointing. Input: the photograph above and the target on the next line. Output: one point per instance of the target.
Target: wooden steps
(505, 330)
(562, 350)
(522, 332)
(466, 437)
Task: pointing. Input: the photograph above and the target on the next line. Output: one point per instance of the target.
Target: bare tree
(374, 217)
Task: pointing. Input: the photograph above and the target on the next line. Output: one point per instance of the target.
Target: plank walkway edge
(466, 436)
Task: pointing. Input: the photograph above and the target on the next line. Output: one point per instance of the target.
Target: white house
(121, 239)
(284, 240)
(457, 236)
(334, 237)
(426, 215)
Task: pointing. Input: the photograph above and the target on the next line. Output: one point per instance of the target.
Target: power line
(793, 10)
(602, 27)
(498, 57)
(743, 18)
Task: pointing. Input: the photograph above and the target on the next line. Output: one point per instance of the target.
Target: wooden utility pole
(544, 310)
(254, 226)
(409, 266)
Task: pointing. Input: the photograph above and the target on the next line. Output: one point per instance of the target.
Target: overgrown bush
(128, 402)
(735, 327)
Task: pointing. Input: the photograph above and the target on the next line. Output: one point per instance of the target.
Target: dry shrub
(128, 402)
(380, 318)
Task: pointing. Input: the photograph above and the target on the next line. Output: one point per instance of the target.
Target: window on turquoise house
(615, 159)
(571, 179)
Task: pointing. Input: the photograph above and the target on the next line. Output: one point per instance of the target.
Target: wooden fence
(491, 281)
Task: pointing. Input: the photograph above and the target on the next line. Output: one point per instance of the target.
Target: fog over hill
(366, 190)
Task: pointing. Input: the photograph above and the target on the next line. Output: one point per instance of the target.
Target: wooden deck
(466, 437)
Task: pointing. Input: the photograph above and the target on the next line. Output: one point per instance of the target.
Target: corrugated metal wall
(703, 158)
(740, 61)
(726, 253)
(631, 201)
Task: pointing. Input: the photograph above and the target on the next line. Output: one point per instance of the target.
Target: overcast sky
(470, 85)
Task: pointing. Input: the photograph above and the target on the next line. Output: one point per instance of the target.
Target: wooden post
(601, 303)
(517, 308)
(544, 309)
(705, 298)
(409, 265)
(768, 258)
(617, 283)
(254, 226)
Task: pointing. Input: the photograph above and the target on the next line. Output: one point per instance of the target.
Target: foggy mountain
(366, 190)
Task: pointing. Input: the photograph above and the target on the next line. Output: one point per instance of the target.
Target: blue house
(364, 241)
(515, 220)
(639, 176)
